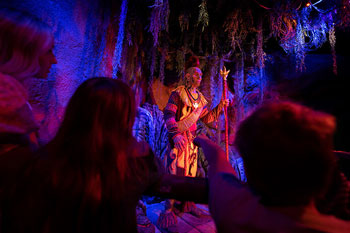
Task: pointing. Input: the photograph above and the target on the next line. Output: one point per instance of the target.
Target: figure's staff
(224, 74)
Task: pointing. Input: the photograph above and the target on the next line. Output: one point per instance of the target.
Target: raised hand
(225, 102)
(224, 73)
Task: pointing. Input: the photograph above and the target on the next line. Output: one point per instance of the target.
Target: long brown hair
(94, 139)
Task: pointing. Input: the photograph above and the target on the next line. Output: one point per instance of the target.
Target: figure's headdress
(193, 61)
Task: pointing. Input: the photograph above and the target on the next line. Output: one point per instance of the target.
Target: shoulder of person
(12, 93)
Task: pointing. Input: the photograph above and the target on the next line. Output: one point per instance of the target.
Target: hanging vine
(283, 25)
(299, 48)
(184, 21)
(237, 28)
(180, 60)
(259, 47)
(332, 40)
(302, 30)
(238, 25)
(203, 17)
(159, 19)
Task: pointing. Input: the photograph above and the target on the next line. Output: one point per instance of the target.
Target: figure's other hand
(180, 142)
(224, 72)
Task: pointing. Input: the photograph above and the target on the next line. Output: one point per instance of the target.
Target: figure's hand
(180, 142)
(225, 102)
(224, 72)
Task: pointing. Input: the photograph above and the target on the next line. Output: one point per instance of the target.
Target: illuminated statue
(185, 107)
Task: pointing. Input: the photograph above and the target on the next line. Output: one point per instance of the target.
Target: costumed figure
(185, 107)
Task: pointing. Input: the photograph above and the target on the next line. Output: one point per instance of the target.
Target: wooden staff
(224, 74)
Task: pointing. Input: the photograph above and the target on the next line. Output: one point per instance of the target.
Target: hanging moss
(301, 31)
(180, 60)
(283, 24)
(299, 48)
(259, 47)
(239, 29)
(203, 18)
(332, 40)
(238, 25)
(184, 21)
(159, 19)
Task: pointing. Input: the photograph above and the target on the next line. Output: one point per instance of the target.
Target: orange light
(308, 4)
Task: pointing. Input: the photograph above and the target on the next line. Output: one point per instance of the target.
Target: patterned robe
(160, 132)
(143, 128)
(181, 115)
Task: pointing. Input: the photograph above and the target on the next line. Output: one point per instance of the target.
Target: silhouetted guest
(90, 177)
(288, 159)
(26, 46)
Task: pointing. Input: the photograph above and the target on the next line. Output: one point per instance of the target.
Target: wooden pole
(224, 74)
(226, 119)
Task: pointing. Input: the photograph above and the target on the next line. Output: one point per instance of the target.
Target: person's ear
(187, 75)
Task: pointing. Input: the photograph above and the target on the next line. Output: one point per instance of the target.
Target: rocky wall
(80, 29)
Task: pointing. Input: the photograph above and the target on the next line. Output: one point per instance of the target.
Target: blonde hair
(23, 38)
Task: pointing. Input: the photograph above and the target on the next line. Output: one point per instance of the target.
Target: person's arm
(181, 188)
(172, 186)
(215, 155)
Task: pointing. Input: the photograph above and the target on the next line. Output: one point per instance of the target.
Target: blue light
(119, 45)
